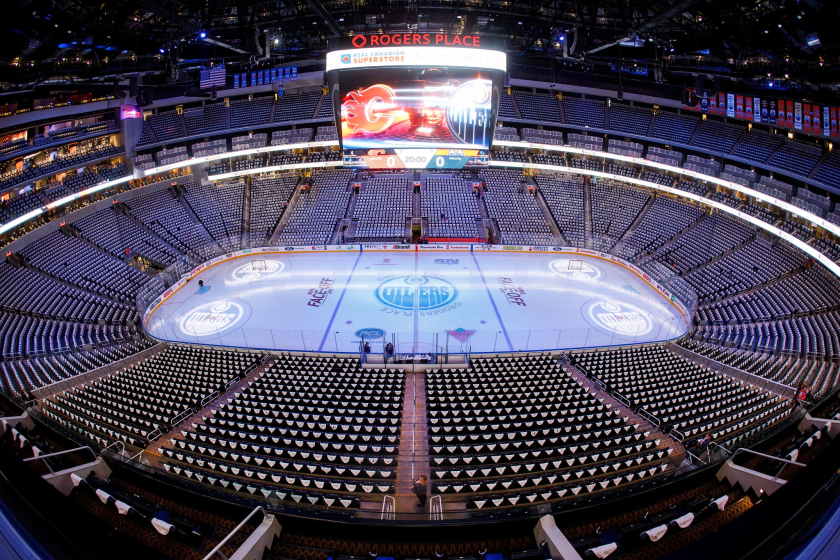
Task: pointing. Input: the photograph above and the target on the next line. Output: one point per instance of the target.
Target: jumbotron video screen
(442, 115)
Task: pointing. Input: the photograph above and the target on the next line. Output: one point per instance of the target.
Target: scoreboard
(416, 103)
(416, 158)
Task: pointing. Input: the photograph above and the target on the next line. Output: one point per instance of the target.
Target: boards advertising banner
(773, 113)
(833, 125)
(730, 105)
(721, 103)
(806, 117)
(797, 115)
(789, 113)
(765, 110)
(826, 122)
(749, 108)
(816, 119)
(739, 106)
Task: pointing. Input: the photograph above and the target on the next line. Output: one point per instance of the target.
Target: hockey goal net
(575, 264)
(258, 265)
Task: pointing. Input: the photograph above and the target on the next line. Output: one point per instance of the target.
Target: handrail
(745, 450)
(389, 508)
(649, 417)
(95, 457)
(113, 443)
(722, 448)
(621, 398)
(677, 434)
(151, 437)
(212, 396)
(696, 457)
(435, 509)
(235, 530)
(185, 413)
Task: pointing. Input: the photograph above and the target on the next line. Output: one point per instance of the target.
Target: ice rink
(466, 301)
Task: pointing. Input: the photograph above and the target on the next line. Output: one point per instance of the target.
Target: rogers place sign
(415, 39)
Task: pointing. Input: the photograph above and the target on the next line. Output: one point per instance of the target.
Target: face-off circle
(582, 271)
(212, 318)
(619, 318)
(249, 272)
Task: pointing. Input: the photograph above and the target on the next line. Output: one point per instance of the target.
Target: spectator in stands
(419, 489)
(367, 347)
(700, 446)
(389, 351)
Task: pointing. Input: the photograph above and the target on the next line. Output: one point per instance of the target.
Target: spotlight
(161, 50)
(202, 34)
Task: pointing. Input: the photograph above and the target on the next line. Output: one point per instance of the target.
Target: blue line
(499, 317)
(337, 305)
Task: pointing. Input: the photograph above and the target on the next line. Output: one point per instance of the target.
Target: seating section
(296, 107)
(564, 198)
(512, 202)
(673, 127)
(519, 431)
(165, 216)
(792, 159)
(269, 198)
(691, 400)
(666, 218)
(18, 376)
(583, 112)
(627, 119)
(203, 120)
(506, 108)
(121, 236)
(166, 125)
(538, 106)
(309, 432)
(219, 207)
(251, 112)
(382, 206)
(138, 404)
(73, 261)
(614, 208)
(717, 137)
(757, 146)
(829, 170)
(713, 236)
(319, 208)
(451, 207)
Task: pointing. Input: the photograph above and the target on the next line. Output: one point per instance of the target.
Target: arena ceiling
(81, 38)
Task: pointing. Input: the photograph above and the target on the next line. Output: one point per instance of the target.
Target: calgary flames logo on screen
(371, 109)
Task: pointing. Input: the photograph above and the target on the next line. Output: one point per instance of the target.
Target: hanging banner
(789, 114)
(772, 116)
(834, 130)
(739, 106)
(704, 103)
(826, 122)
(797, 115)
(730, 105)
(816, 119)
(806, 117)
(765, 110)
(721, 103)
(713, 104)
(749, 108)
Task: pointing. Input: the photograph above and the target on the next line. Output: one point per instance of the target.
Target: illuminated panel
(427, 56)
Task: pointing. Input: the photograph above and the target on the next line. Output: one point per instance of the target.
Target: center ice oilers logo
(211, 318)
(432, 292)
(575, 269)
(249, 272)
(618, 317)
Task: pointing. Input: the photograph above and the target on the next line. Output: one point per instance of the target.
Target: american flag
(212, 77)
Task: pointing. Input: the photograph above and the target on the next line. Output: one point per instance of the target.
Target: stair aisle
(413, 458)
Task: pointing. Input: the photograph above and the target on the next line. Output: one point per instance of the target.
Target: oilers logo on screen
(213, 318)
(432, 293)
(617, 317)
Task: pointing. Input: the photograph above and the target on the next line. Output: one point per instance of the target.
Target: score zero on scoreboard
(415, 158)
